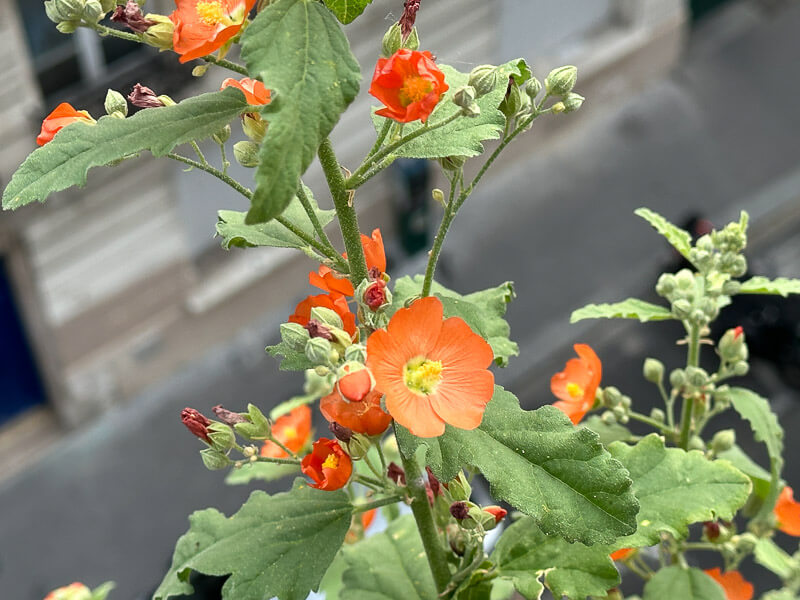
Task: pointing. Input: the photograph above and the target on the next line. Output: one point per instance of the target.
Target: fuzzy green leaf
(757, 474)
(388, 566)
(571, 570)
(291, 359)
(680, 239)
(260, 471)
(464, 136)
(277, 545)
(298, 49)
(676, 488)
(781, 286)
(65, 160)
(671, 583)
(347, 10)
(632, 308)
(233, 230)
(540, 464)
(608, 433)
(483, 311)
(771, 556)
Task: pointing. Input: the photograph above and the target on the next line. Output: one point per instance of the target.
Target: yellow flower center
(211, 13)
(422, 375)
(574, 390)
(290, 433)
(414, 89)
(332, 462)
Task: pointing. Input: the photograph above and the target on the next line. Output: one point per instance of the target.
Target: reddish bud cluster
(143, 97)
(196, 422)
(131, 16)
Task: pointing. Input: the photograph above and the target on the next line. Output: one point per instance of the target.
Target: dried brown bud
(396, 473)
(375, 295)
(131, 15)
(375, 274)
(228, 416)
(196, 422)
(143, 97)
(436, 487)
(711, 529)
(459, 510)
(409, 16)
(317, 329)
(342, 433)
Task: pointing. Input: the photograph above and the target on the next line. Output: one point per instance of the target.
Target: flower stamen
(422, 375)
(574, 390)
(211, 13)
(414, 90)
(331, 462)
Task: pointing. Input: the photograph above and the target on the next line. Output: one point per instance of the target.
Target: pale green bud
(326, 316)
(319, 384)
(166, 100)
(254, 127)
(681, 308)
(653, 370)
(246, 153)
(392, 41)
(412, 41)
(93, 11)
(657, 415)
(558, 107)
(67, 26)
(356, 353)
(573, 102)
(732, 346)
(483, 79)
(116, 103)
(358, 446)
(626, 402)
(159, 35)
(318, 351)
(739, 266)
(608, 418)
(685, 279)
(533, 87)
(677, 378)
(223, 135)
(697, 377)
(514, 102)
(560, 81)
(611, 396)
(459, 488)
(696, 443)
(294, 336)
(741, 368)
(723, 440)
(731, 288)
(200, 70)
(64, 10)
(214, 460)
(619, 412)
(465, 98)
(438, 195)
(451, 163)
(221, 436)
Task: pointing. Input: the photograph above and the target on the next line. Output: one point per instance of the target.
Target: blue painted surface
(20, 386)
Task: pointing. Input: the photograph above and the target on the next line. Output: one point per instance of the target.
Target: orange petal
(355, 386)
(460, 400)
(415, 329)
(592, 362)
(787, 512)
(461, 349)
(733, 584)
(574, 410)
(413, 411)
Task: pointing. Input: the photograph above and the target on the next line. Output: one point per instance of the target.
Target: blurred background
(118, 307)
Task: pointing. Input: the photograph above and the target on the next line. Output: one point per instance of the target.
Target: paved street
(719, 135)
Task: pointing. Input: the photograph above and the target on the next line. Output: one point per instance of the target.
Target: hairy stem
(359, 508)
(692, 360)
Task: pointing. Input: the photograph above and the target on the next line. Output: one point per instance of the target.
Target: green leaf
(347, 10)
(766, 428)
(291, 360)
(771, 556)
(102, 591)
(676, 488)
(331, 584)
(277, 545)
(671, 583)
(542, 465)
(464, 136)
(388, 566)
(483, 311)
(572, 570)
(233, 230)
(260, 471)
(298, 50)
(757, 474)
(66, 160)
(632, 308)
(781, 286)
(608, 433)
(680, 239)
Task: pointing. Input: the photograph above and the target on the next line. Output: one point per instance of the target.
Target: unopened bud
(497, 512)
(459, 488)
(161, 34)
(59, 11)
(653, 370)
(254, 127)
(677, 378)
(657, 415)
(392, 41)
(741, 368)
(67, 27)
(375, 295)
(573, 102)
(214, 460)
(608, 418)
(396, 473)
(465, 98)
(294, 336)
(611, 396)
(358, 446)
(326, 316)
(196, 422)
(560, 81)
(696, 443)
(514, 102)
(697, 377)
(459, 510)
(732, 346)
(355, 353)
(228, 416)
(93, 11)
(558, 107)
(223, 135)
(681, 308)
(131, 16)
(731, 288)
(116, 104)
(221, 436)
(246, 154)
(711, 530)
(450, 163)
(533, 87)
(342, 433)
(438, 195)
(723, 440)
(483, 79)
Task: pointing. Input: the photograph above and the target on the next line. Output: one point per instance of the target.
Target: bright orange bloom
(787, 512)
(293, 430)
(433, 371)
(328, 465)
(732, 582)
(302, 312)
(203, 26)
(576, 385)
(254, 91)
(497, 512)
(410, 85)
(622, 553)
(368, 517)
(73, 591)
(335, 283)
(63, 115)
(365, 417)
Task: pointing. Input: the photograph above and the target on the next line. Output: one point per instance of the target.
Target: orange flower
(433, 371)
(328, 465)
(368, 517)
(73, 591)
(787, 512)
(365, 417)
(302, 312)
(577, 383)
(355, 385)
(63, 115)
(335, 283)
(622, 553)
(733, 584)
(410, 85)
(293, 430)
(203, 26)
(497, 512)
(254, 91)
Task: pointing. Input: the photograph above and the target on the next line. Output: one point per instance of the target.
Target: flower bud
(67, 27)
(533, 87)
(228, 416)
(741, 368)
(608, 418)
(294, 336)
(573, 102)
(223, 135)
(318, 351)
(711, 530)
(657, 415)
(196, 422)
(619, 412)
(666, 285)
(412, 41)
(131, 16)
(356, 353)
(745, 542)
(246, 153)
(257, 418)
(326, 316)
(497, 512)
(653, 370)
(457, 539)
(396, 473)
(342, 433)
(739, 266)
(558, 107)
(731, 288)
(560, 81)
(161, 34)
(732, 346)
(358, 446)
(459, 510)
(375, 295)
(677, 378)
(73, 591)
(254, 127)
(465, 98)
(611, 396)
(459, 488)
(392, 41)
(697, 377)
(116, 104)
(214, 460)
(723, 440)
(449, 163)
(515, 101)
(221, 436)
(681, 308)
(483, 79)
(249, 451)
(696, 443)
(143, 97)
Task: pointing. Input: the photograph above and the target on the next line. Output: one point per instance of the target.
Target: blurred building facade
(118, 284)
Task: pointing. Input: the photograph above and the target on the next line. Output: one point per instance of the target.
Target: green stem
(359, 508)
(387, 125)
(312, 216)
(382, 456)
(199, 152)
(428, 532)
(652, 422)
(692, 360)
(372, 468)
(248, 194)
(369, 482)
(225, 162)
(438, 242)
(348, 220)
(277, 461)
(226, 64)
